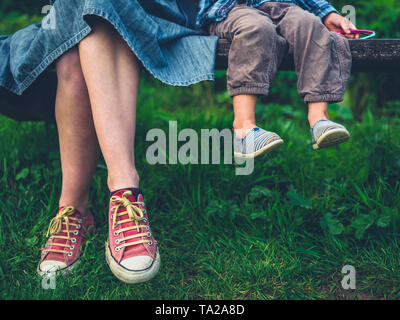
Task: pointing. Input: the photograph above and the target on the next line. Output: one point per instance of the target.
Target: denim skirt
(161, 33)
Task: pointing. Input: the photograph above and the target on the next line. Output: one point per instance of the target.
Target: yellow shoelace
(63, 218)
(135, 214)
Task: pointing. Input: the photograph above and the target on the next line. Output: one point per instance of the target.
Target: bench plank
(369, 55)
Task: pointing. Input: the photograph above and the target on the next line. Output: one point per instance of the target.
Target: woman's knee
(69, 70)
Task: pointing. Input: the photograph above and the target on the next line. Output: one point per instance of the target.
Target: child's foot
(131, 250)
(256, 142)
(326, 133)
(67, 237)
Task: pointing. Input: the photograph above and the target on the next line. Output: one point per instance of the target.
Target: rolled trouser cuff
(249, 89)
(330, 98)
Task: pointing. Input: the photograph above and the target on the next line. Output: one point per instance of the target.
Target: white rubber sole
(65, 271)
(129, 276)
(268, 148)
(331, 138)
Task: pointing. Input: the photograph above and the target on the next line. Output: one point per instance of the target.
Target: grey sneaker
(256, 142)
(326, 133)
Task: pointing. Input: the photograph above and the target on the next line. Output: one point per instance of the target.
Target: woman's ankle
(82, 207)
(117, 182)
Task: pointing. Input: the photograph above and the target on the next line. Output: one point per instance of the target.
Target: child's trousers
(261, 37)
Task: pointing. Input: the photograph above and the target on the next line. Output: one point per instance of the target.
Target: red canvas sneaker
(131, 250)
(67, 237)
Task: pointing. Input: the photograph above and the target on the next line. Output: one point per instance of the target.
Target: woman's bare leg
(113, 88)
(78, 142)
(79, 154)
(112, 75)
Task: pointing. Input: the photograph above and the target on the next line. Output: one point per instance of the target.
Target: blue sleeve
(320, 8)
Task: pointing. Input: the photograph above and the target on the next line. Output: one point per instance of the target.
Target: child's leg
(254, 57)
(323, 64)
(322, 59)
(244, 108)
(255, 54)
(317, 111)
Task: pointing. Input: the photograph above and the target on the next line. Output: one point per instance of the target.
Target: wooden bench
(380, 55)
(37, 103)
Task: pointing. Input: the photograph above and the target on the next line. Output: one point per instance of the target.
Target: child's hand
(335, 22)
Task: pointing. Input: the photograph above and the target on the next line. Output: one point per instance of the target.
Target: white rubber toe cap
(137, 263)
(51, 266)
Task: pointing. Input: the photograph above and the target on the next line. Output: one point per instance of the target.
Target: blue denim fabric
(161, 33)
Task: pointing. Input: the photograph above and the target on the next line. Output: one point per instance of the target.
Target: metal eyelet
(78, 226)
(116, 234)
(71, 247)
(80, 220)
(144, 211)
(148, 234)
(116, 241)
(70, 254)
(76, 232)
(73, 240)
(150, 243)
(144, 220)
(112, 216)
(147, 227)
(117, 249)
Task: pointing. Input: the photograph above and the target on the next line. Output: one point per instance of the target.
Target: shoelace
(135, 214)
(63, 218)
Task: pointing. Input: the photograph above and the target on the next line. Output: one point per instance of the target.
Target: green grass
(284, 232)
